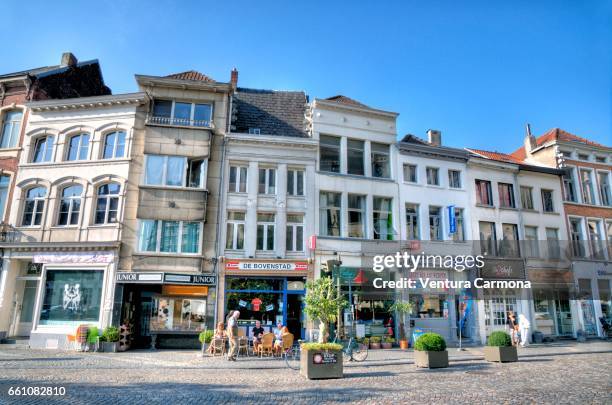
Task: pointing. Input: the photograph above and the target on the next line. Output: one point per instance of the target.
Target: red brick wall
(587, 211)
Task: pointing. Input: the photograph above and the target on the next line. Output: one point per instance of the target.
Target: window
(34, 206)
(267, 181)
(547, 201)
(380, 160)
(329, 154)
(238, 179)
(179, 113)
(383, 218)
(70, 205)
(531, 242)
(329, 215)
(506, 195)
(11, 124)
(578, 248)
(583, 156)
(552, 241)
(107, 205)
(526, 198)
(295, 233)
(196, 172)
(235, 230)
(597, 247)
(410, 173)
(356, 216)
(588, 196)
(569, 190)
(265, 231)
(609, 232)
(114, 145)
(566, 153)
(255, 131)
(435, 223)
(604, 189)
(483, 192)
(4, 187)
(78, 146)
(169, 236)
(509, 245)
(412, 222)
(165, 170)
(428, 306)
(600, 159)
(43, 149)
(454, 179)
(354, 157)
(459, 234)
(488, 239)
(432, 176)
(295, 182)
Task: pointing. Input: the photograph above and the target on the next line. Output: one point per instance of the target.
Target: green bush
(321, 346)
(499, 339)
(110, 334)
(389, 339)
(430, 342)
(375, 339)
(206, 336)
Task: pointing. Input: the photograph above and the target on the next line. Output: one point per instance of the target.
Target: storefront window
(178, 313)
(72, 297)
(429, 306)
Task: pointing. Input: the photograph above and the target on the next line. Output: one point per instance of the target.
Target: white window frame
(459, 225)
(295, 173)
(459, 179)
(108, 198)
(294, 239)
(70, 206)
(158, 239)
(254, 131)
(267, 228)
(552, 200)
(440, 225)
(323, 213)
(590, 184)
(191, 113)
(115, 144)
(266, 184)
(529, 195)
(235, 223)
(363, 211)
(389, 213)
(238, 169)
(437, 178)
(416, 173)
(79, 147)
(418, 220)
(532, 246)
(164, 169)
(39, 204)
(4, 123)
(386, 152)
(608, 195)
(46, 159)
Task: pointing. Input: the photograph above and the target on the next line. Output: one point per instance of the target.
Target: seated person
(278, 331)
(278, 341)
(258, 332)
(219, 334)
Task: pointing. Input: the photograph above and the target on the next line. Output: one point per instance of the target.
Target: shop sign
(141, 278)
(551, 277)
(324, 358)
(269, 307)
(242, 303)
(503, 269)
(266, 266)
(199, 279)
(77, 257)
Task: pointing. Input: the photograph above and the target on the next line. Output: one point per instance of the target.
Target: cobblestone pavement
(563, 373)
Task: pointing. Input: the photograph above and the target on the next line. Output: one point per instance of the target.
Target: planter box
(431, 359)
(321, 364)
(374, 346)
(386, 345)
(109, 347)
(505, 354)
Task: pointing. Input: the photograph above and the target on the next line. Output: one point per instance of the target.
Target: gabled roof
(191, 75)
(46, 70)
(556, 134)
(273, 112)
(346, 100)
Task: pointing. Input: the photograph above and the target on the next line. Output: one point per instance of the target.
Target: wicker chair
(217, 345)
(286, 343)
(243, 345)
(266, 345)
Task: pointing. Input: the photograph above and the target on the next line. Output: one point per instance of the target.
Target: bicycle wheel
(360, 352)
(292, 358)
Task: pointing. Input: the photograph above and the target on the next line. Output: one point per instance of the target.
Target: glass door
(26, 308)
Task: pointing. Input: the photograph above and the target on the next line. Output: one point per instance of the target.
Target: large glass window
(569, 189)
(34, 206)
(483, 192)
(412, 222)
(78, 146)
(459, 234)
(265, 231)
(526, 198)
(552, 241)
(488, 239)
(267, 181)
(410, 173)
(295, 182)
(238, 179)
(169, 236)
(107, 206)
(181, 113)
(576, 235)
(329, 154)
(380, 160)
(604, 188)
(70, 205)
(354, 157)
(71, 297)
(356, 216)
(114, 145)
(588, 195)
(454, 179)
(428, 306)
(547, 201)
(531, 241)
(435, 223)
(11, 124)
(165, 170)
(4, 188)
(171, 312)
(433, 176)
(235, 230)
(43, 149)
(329, 215)
(597, 247)
(383, 218)
(509, 244)
(506, 195)
(295, 233)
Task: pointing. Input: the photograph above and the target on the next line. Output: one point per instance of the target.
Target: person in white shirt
(232, 333)
(524, 329)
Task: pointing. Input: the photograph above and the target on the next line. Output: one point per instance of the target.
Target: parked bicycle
(352, 350)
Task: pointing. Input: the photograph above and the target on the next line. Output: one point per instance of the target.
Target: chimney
(529, 141)
(434, 137)
(68, 59)
(234, 78)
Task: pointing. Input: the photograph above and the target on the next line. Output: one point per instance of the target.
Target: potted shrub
(322, 303)
(205, 339)
(387, 342)
(499, 348)
(430, 351)
(402, 308)
(93, 339)
(110, 339)
(321, 360)
(375, 342)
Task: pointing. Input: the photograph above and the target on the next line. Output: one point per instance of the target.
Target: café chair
(266, 345)
(217, 346)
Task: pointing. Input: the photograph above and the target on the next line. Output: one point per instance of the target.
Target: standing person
(513, 326)
(258, 332)
(524, 329)
(232, 333)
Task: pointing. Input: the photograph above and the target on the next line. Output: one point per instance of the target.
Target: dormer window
(255, 131)
(170, 112)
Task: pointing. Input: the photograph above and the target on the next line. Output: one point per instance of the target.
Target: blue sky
(477, 71)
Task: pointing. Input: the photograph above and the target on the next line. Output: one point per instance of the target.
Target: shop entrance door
(294, 315)
(563, 316)
(24, 311)
(496, 311)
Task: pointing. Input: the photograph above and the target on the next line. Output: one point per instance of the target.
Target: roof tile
(191, 75)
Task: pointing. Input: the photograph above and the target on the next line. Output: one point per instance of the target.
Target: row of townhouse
(163, 210)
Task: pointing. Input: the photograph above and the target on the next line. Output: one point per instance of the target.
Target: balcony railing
(181, 122)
